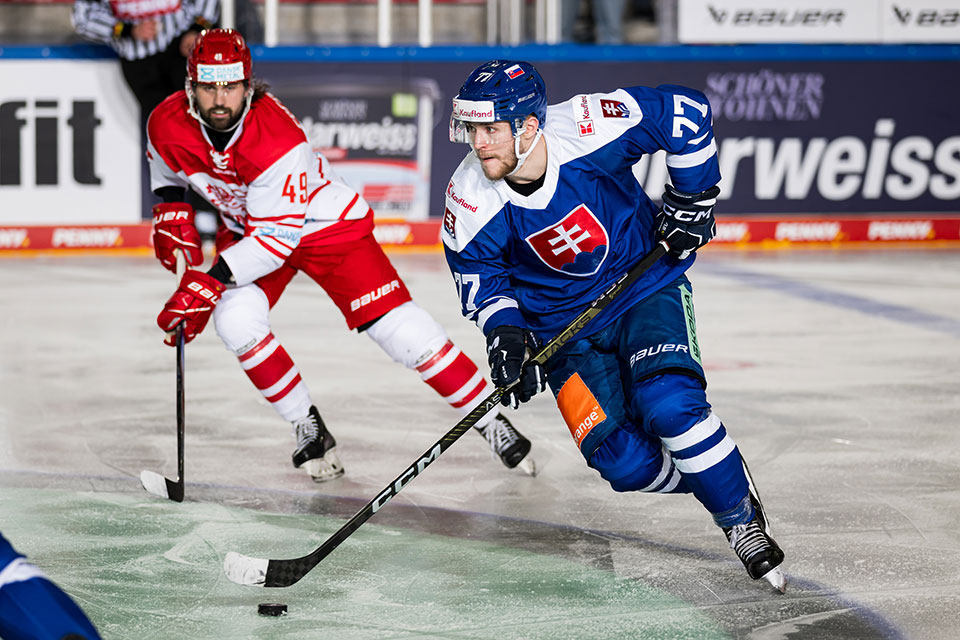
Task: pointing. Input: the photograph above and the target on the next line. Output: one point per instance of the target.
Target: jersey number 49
(289, 191)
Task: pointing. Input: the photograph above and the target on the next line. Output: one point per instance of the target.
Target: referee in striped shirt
(152, 37)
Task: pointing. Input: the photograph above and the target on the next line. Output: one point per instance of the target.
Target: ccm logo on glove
(686, 219)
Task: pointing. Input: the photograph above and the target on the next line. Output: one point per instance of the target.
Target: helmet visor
(475, 121)
(474, 133)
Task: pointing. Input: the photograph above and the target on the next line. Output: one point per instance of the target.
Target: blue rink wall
(802, 129)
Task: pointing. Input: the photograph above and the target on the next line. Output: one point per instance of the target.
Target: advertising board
(69, 143)
(817, 21)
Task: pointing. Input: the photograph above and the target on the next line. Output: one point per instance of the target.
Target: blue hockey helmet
(499, 90)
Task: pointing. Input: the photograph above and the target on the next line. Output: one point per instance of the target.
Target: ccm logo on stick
(405, 478)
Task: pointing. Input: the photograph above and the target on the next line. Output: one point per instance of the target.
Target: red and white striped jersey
(268, 184)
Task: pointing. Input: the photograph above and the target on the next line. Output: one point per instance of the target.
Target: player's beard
(497, 165)
(220, 124)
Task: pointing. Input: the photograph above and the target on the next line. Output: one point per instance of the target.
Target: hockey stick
(152, 481)
(259, 572)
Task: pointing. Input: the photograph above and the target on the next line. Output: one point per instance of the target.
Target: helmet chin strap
(522, 157)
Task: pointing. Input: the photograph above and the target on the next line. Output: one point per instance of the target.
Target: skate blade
(528, 466)
(326, 468)
(776, 578)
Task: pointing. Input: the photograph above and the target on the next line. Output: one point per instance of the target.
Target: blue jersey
(535, 261)
(34, 608)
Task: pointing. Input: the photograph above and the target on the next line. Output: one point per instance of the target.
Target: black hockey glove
(508, 348)
(686, 220)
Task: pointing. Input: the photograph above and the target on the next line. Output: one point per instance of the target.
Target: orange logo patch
(579, 408)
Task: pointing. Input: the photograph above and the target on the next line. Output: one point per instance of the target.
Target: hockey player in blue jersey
(34, 608)
(540, 218)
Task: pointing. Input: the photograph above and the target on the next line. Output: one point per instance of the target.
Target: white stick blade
(245, 570)
(154, 483)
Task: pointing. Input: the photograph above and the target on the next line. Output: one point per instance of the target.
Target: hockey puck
(271, 609)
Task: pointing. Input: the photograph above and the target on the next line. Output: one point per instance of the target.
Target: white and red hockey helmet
(220, 56)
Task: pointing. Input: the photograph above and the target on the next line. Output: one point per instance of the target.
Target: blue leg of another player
(34, 608)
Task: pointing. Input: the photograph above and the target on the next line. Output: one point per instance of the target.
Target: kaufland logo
(581, 107)
(451, 194)
(474, 113)
(473, 110)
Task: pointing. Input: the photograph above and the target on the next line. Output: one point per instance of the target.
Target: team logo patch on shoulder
(576, 245)
(614, 109)
(513, 72)
(449, 222)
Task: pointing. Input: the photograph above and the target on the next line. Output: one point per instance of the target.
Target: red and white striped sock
(273, 373)
(455, 377)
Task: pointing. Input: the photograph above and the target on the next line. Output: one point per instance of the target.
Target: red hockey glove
(192, 303)
(173, 229)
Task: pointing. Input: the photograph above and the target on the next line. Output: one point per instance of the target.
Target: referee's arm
(95, 21)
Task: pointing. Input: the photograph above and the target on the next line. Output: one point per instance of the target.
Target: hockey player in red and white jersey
(282, 211)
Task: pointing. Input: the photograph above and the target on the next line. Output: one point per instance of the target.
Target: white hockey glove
(508, 350)
(686, 220)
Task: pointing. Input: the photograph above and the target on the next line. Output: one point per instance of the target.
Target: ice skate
(754, 545)
(509, 444)
(316, 448)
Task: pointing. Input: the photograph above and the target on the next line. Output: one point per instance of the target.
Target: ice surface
(835, 372)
